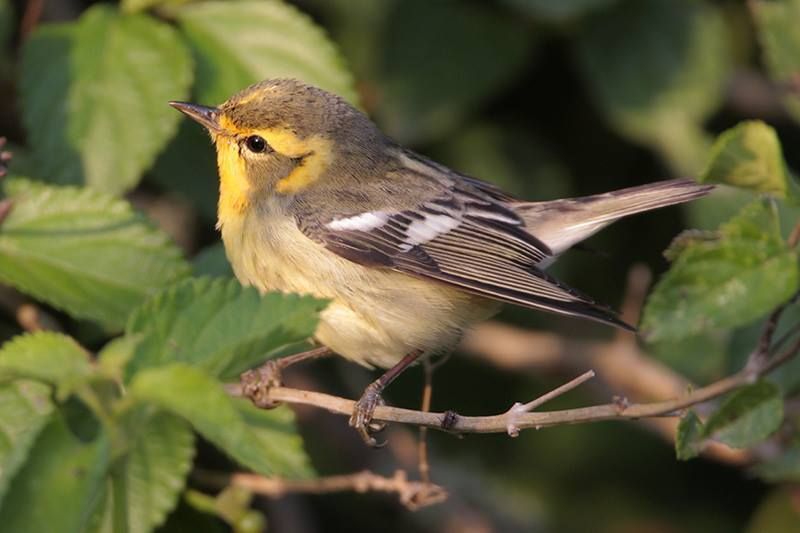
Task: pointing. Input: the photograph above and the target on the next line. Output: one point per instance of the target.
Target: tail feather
(563, 223)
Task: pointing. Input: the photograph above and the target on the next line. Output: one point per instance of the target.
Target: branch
(622, 364)
(412, 494)
(452, 422)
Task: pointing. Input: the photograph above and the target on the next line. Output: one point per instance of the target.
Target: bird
(315, 199)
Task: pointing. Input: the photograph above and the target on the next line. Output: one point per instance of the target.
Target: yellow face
(258, 159)
(270, 160)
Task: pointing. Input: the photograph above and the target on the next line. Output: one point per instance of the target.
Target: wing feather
(467, 237)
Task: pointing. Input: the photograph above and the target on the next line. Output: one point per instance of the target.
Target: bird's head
(283, 137)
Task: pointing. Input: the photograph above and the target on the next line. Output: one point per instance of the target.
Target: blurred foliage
(726, 278)
(111, 424)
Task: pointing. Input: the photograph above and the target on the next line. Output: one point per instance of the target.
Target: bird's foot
(256, 383)
(361, 419)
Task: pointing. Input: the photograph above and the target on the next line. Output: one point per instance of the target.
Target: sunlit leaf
(52, 358)
(154, 470)
(96, 112)
(25, 408)
(83, 251)
(61, 485)
(749, 156)
(132, 6)
(219, 325)
(229, 423)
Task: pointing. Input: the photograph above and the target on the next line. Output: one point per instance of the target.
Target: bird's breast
(376, 315)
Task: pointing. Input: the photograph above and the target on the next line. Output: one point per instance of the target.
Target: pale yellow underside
(376, 316)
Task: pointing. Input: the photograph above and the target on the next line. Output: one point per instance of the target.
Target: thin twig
(412, 494)
(624, 366)
(520, 408)
(499, 423)
(760, 355)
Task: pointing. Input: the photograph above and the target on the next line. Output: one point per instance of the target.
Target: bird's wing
(464, 238)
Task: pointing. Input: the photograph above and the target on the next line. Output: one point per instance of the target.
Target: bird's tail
(562, 223)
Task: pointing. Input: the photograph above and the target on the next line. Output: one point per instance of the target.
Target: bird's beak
(206, 116)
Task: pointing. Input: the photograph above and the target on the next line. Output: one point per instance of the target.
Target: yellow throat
(315, 154)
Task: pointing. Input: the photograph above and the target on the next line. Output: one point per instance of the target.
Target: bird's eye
(256, 144)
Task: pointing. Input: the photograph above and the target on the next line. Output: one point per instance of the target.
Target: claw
(361, 419)
(257, 383)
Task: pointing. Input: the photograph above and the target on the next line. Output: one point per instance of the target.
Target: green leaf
(83, 251)
(749, 156)
(700, 358)
(748, 416)
(52, 358)
(231, 505)
(725, 282)
(25, 408)
(94, 111)
(188, 167)
(426, 79)
(657, 69)
(226, 422)
(507, 156)
(779, 36)
(219, 325)
(273, 39)
(7, 21)
(154, 471)
(61, 485)
(689, 440)
(132, 6)
(275, 430)
(212, 261)
(561, 10)
(114, 357)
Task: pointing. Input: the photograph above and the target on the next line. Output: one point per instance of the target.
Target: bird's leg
(371, 398)
(256, 383)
